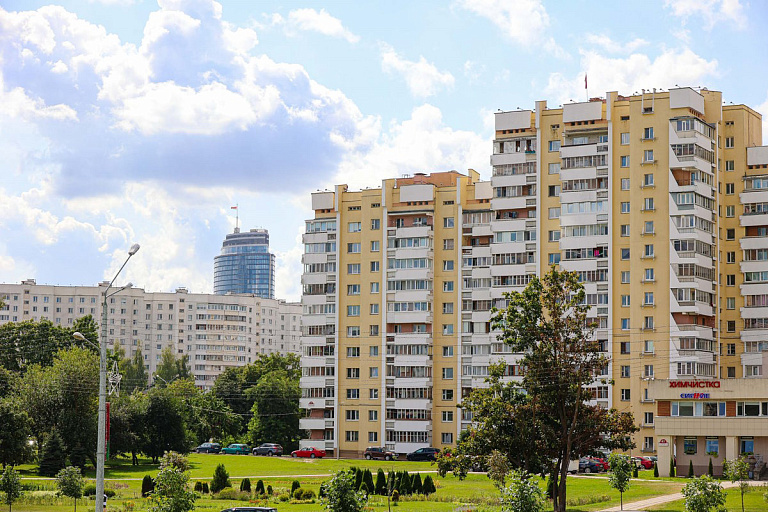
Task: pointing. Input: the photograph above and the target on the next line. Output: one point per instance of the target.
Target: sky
(145, 121)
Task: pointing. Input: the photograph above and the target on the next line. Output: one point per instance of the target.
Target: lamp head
(134, 249)
(79, 336)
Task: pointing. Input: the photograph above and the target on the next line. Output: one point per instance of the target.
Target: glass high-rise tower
(245, 265)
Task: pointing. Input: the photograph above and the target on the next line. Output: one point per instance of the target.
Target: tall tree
(164, 427)
(14, 433)
(171, 368)
(134, 374)
(275, 410)
(547, 323)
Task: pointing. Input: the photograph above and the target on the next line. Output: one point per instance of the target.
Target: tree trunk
(621, 500)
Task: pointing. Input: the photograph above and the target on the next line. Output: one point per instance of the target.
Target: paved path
(667, 498)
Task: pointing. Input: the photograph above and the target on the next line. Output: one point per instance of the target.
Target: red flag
(585, 80)
(233, 207)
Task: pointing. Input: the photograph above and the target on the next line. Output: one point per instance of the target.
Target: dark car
(378, 452)
(589, 466)
(208, 448)
(250, 509)
(269, 449)
(423, 454)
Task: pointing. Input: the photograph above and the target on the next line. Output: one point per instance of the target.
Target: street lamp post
(101, 446)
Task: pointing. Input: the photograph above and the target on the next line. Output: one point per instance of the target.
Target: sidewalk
(660, 500)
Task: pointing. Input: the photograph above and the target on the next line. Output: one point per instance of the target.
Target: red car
(311, 452)
(644, 462)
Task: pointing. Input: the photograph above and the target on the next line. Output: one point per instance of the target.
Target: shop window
(747, 408)
(690, 445)
(713, 446)
(747, 445)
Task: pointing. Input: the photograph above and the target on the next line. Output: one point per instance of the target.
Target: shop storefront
(717, 420)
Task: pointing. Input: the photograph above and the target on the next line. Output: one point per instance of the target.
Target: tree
(126, 418)
(655, 470)
(10, 485)
(621, 470)
(428, 486)
(245, 485)
(171, 368)
(171, 493)
(341, 495)
(176, 460)
(276, 410)
(164, 427)
(381, 483)
(704, 494)
(259, 487)
(547, 322)
(416, 484)
(523, 494)
(498, 468)
(70, 483)
(134, 374)
(147, 486)
(205, 415)
(690, 469)
(737, 470)
(53, 458)
(710, 470)
(14, 448)
(368, 479)
(220, 479)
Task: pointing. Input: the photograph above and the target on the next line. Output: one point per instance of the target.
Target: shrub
(634, 471)
(220, 479)
(308, 494)
(690, 469)
(147, 485)
(245, 485)
(703, 495)
(428, 487)
(358, 478)
(381, 483)
(294, 485)
(522, 494)
(395, 496)
(283, 498)
(232, 494)
(341, 495)
(298, 493)
(52, 456)
(260, 487)
(90, 490)
(416, 484)
(269, 489)
(368, 479)
(655, 470)
(205, 488)
(322, 491)
(364, 488)
(405, 484)
(198, 486)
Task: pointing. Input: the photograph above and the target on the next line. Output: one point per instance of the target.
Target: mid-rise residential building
(245, 265)
(658, 202)
(215, 331)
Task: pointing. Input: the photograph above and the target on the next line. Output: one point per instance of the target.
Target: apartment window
(625, 207)
(353, 310)
(730, 303)
(351, 436)
(447, 308)
(374, 351)
(648, 370)
(730, 189)
(648, 347)
(373, 394)
(447, 373)
(447, 351)
(447, 328)
(648, 180)
(624, 183)
(625, 138)
(554, 235)
(625, 254)
(625, 396)
(355, 227)
(374, 287)
(375, 246)
(353, 332)
(729, 143)
(730, 280)
(625, 327)
(554, 213)
(648, 229)
(447, 394)
(648, 418)
(353, 289)
(731, 347)
(554, 258)
(729, 165)
(447, 264)
(353, 373)
(648, 156)
(448, 222)
(554, 190)
(730, 326)
(374, 330)
(730, 234)
(375, 224)
(648, 204)
(625, 161)
(648, 133)
(625, 277)
(730, 257)
(353, 394)
(353, 248)
(625, 302)
(648, 299)
(447, 286)
(554, 168)
(648, 252)
(624, 228)
(730, 211)
(648, 322)
(374, 309)
(448, 244)
(625, 372)
(446, 438)
(373, 437)
(554, 145)
(373, 371)
(447, 416)
(353, 268)
(374, 266)
(650, 275)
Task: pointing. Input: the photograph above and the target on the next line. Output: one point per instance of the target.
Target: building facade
(657, 201)
(245, 265)
(215, 331)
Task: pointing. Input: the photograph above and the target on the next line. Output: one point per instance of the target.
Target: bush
(358, 478)
(655, 470)
(283, 498)
(308, 494)
(381, 483)
(395, 496)
(294, 485)
(245, 485)
(428, 487)
(232, 494)
(690, 469)
(269, 489)
(220, 479)
(90, 490)
(416, 484)
(322, 491)
(368, 479)
(405, 484)
(205, 488)
(260, 487)
(147, 485)
(634, 471)
(549, 491)
(198, 486)
(364, 488)
(703, 495)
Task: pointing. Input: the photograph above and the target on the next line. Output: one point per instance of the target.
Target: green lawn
(753, 502)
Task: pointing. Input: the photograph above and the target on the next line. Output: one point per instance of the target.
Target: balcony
(313, 423)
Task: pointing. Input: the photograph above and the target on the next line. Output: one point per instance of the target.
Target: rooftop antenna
(237, 216)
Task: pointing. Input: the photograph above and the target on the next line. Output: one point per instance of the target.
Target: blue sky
(143, 121)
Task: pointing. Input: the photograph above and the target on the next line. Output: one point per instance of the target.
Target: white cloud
(711, 11)
(422, 77)
(310, 20)
(609, 45)
(630, 74)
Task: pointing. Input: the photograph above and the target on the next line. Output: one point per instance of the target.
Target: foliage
(523, 494)
(14, 433)
(269, 490)
(275, 410)
(690, 469)
(199, 486)
(206, 490)
(635, 471)
(428, 487)
(498, 468)
(70, 482)
(90, 490)
(368, 480)
(704, 494)
(737, 470)
(171, 368)
(127, 419)
(134, 374)
(295, 485)
(171, 493)
(10, 485)
(147, 486)
(621, 468)
(656, 469)
(52, 456)
(416, 484)
(164, 427)
(34, 343)
(547, 322)
(341, 495)
(245, 485)
(176, 460)
(260, 487)
(381, 483)
(220, 479)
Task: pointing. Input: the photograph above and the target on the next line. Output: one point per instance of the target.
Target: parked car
(602, 462)
(589, 466)
(378, 452)
(250, 509)
(269, 449)
(645, 462)
(423, 454)
(236, 449)
(208, 448)
(311, 452)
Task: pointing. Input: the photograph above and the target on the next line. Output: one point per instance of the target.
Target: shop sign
(695, 396)
(663, 442)
(694, 383)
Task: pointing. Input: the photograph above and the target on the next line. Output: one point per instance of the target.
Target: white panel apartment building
(215, 331)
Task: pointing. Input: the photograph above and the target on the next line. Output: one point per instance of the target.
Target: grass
(753, 502)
